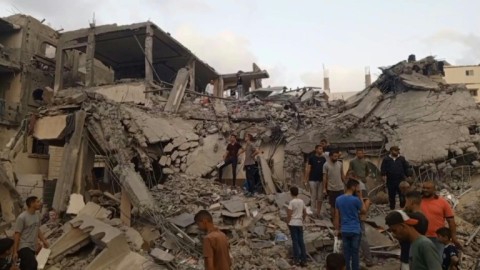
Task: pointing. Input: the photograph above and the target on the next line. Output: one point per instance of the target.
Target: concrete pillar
(148, 59)
(60, 60)
(191, 72)
(90, 59)
(219, 89)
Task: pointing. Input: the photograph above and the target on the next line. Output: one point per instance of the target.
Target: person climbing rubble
(394, 169)
(234, 149)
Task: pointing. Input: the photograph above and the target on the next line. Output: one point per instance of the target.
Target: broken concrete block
(162, 255)
(183, 167)
(163, 161)
(150, 235)
(182, 153)
(169, 161)
(184, 220)
(168, 148)
(134, 237)
(184, 146)
(174, 155)
(76, 204)
(167, 171)
(234, 206)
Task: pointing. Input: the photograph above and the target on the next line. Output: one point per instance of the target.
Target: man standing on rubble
(348, 207)
(251, 168)
(234, 149)
(27, 232)
(437, 210)
(394, 170)
(216, 249)
(209, 88)
(314, 177)
(333, 179)
(360, 167)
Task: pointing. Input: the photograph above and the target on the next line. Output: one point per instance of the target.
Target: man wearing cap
(394, 170)
(423, 254)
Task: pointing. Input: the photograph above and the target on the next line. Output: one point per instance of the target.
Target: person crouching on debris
(234, 149)
(6, 246)
(216, 249)
(296, 213)
(250, 164)
(335, 261)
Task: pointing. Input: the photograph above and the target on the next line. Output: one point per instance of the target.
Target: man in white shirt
(296, 213)
(209, 88)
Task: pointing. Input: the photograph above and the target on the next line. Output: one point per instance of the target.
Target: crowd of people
(418, 223)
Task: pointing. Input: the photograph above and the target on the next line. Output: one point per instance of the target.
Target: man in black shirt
(231, 158)
(314, 176)
(394, 170)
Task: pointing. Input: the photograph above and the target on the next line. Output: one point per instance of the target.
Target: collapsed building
(133, 148)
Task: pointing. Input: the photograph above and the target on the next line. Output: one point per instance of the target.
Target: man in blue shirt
(347, 221)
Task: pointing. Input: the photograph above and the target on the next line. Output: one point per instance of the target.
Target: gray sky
(291, 39)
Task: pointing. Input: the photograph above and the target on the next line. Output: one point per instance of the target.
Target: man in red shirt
(216, 249)
(234, 149)
(437, 210)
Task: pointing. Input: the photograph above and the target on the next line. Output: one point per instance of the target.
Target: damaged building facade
(131, 147)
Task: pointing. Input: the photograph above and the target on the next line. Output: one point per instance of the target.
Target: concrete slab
(42, 257)
(232, 215)
(204, 158)
(94, 210)
(133, 184)
(30, 185)
(69, 242)
(50, 127)
(101, 233)
(184, 220)
(234, 206)
(162, 255)
(76, 204)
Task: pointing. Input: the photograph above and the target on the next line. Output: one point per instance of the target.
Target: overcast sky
(293, 40)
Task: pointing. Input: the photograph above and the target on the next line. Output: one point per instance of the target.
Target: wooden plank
(66, 177)
(125, 209)
(178, 91)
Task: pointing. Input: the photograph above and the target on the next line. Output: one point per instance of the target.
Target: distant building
(468, 75)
